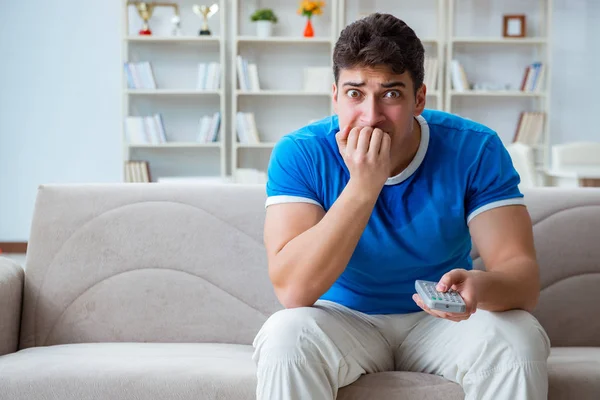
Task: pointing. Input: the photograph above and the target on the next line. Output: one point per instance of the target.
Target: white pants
(310, 352)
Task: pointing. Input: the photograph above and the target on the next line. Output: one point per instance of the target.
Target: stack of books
(140, 75)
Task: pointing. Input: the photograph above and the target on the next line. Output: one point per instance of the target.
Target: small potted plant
(264, 18)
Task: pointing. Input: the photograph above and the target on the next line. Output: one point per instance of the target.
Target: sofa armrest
(12, 278)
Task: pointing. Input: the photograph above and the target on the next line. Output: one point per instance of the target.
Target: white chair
(523, 160)
(576, 164)
(575, 154)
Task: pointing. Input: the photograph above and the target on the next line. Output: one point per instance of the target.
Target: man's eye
(352, 93)
(392, 94)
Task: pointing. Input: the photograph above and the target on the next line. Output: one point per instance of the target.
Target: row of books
(460, 83)
(209, 128)
(245, 125)
(533, 78)
(530, 127)
(140, 75)
(137, 171)
(145, 129)
(247, 74)
(209, 76)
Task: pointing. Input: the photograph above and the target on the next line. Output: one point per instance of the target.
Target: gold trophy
(206, 12)
(145, 11)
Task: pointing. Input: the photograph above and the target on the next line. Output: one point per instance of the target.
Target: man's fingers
(342, 135)
(364, 138)
(445, 283)
(386, 142)
(342, 138)
(469, 302)
(440, 314)
(375, 143)
(352, 138)
(454, 277)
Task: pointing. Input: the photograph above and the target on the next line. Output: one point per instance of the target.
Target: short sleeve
(289, 176)
(493, 181)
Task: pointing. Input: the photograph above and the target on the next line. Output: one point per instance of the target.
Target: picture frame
(514, 26)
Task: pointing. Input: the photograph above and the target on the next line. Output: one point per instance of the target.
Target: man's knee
(291, 333)
(514, 336)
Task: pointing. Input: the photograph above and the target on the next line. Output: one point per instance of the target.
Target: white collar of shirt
(419, 156)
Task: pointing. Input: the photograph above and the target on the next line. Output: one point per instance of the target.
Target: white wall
(60, 80)
(60, 98)
(575, 79)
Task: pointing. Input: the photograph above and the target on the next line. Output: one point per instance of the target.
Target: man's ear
(334, 98)
(420, 98)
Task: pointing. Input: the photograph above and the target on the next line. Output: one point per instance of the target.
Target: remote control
(449, 301)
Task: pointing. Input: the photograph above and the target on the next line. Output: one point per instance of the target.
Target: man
(362, 204)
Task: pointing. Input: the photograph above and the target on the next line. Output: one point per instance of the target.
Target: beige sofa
(155, 291)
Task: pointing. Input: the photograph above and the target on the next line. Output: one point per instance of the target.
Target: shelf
(284, 39)
(266, 145)
(431, 41)
(281, 93)
(434, 93)
(175, 145)
(495, 40)
(498, 93)
(172, 92)
(174, 39)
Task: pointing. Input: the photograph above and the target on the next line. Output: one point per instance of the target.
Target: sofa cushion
(226, 371)
(129, 371)
(574, 373)
(401, 385)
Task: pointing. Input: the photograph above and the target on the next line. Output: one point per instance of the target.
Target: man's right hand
(366, 152)
(308, 248)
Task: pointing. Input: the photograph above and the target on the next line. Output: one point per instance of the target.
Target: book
(140, 75)
(136, 171)
(530, 128)
(145, 129)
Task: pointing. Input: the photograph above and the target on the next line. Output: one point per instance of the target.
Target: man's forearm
(309, 264)
(507, 287)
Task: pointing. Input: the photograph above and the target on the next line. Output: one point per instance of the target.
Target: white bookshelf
(418, 15)
(501, 40)
(184, 145)
(497, 93)
(285, 39)
(281, 93)
(174, 39)
(173, 92)
(469, 30)
(281, 105)
(174, 61)
(474, 38)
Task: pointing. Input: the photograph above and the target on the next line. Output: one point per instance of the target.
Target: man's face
(376, 97)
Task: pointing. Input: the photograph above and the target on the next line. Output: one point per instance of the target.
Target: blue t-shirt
(419, 225)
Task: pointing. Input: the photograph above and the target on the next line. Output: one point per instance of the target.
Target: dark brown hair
(380, 40)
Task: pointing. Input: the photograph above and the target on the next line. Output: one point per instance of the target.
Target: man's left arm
(504, 238)
(501, 229)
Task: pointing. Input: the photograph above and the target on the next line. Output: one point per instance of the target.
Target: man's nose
(371, 114)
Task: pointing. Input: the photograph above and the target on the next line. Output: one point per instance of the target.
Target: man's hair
(380, 40)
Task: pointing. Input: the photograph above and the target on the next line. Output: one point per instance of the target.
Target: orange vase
(308, 29)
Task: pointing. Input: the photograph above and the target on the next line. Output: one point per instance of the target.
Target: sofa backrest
(146, 263)
(186, 263)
